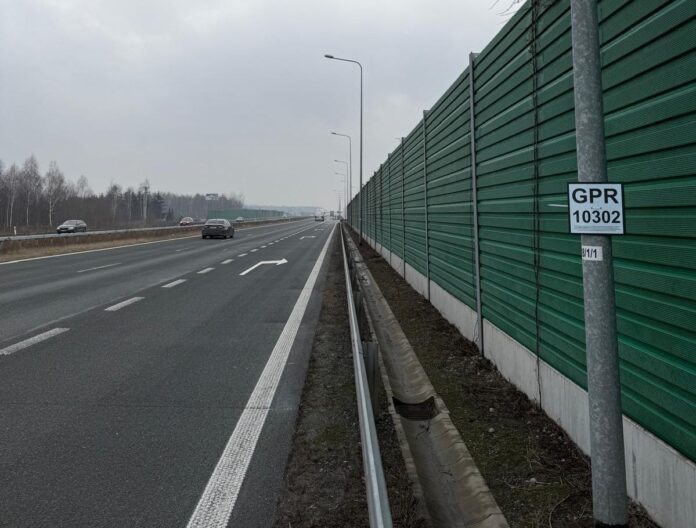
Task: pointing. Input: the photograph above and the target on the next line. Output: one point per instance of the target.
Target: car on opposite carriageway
(72, 226)
(217, 227)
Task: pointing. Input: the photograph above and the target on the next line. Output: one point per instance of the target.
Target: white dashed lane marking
(99, 267)
(175, 283)
(123, 304)
(206, 270)
(31, 341)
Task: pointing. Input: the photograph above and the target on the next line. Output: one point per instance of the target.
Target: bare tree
(12, 181)
(82, 187)
(55, 189)
(145, 190)
(31, 183)
(114, 194)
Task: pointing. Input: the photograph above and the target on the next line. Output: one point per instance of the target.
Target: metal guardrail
(377, 499)
(118, 231)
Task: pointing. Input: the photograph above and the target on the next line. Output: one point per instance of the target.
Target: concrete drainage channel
(445, 477)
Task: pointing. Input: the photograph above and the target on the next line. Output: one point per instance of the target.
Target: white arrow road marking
(312, 236)
(31, 341)
(99, 267)
(276, 262)
(123, 304)
(220, 495)
(175, 283)
(206, 270)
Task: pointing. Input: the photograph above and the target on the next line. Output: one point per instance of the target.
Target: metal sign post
(604, 391)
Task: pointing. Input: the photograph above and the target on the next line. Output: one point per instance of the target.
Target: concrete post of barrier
(425, 199)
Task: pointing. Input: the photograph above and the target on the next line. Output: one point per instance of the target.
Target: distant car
(217, 227)
(72, 226)
(187, 220)
(239, 219)
(318, 218)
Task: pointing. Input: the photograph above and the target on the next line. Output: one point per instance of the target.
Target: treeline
(32, 202)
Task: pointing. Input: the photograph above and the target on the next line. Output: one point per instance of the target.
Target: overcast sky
(225, 96)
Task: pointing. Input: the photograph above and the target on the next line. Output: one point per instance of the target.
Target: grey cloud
(213, 96)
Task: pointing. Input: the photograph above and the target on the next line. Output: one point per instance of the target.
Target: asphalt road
(155, 385)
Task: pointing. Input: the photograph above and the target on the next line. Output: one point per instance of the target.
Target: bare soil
(537, 474)
(324, 485)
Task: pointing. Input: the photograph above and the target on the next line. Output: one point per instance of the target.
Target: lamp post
(350, 162)
(344, 183)
(361, 130)
(347, 172)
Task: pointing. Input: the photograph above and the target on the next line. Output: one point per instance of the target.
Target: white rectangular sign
(592, 253)
(596, 208)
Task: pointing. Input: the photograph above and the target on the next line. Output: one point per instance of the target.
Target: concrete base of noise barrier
(660, 478)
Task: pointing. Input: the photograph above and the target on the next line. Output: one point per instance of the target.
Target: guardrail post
(425, 194)
(370, 351)
(474, 203)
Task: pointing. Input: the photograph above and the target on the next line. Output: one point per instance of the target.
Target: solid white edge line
(99, 267)
(217, 502)
(31, 341)
(205, 270)
(123, 304)
(130, 245)
(174, 283)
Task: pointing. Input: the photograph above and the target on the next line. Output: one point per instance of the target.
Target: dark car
(72, 226)
(217, 227)
(187, 220)
(318, 218)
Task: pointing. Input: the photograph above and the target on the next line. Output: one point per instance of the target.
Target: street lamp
(350, 160)
(346, 174)
(361, 129)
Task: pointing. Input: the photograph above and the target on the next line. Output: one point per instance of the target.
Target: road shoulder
(323, 484)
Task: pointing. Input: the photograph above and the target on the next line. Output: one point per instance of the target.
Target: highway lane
(121, 419)
(38, 292)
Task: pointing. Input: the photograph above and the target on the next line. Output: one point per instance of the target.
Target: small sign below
(592, 253)
(596, 208)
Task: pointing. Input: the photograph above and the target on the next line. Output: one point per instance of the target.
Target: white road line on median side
(123, 304)
(31, 341)
(99, 267)
(175, 283)
(242, 255)
(131, 245)
(227, 261)
(95, 250)
(206, 270)
(220, 495)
